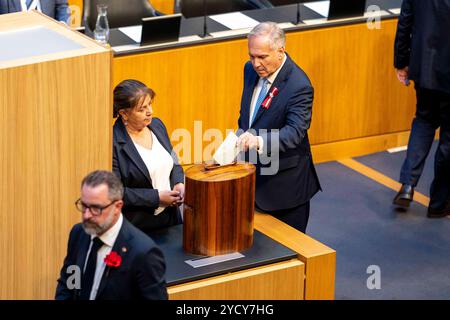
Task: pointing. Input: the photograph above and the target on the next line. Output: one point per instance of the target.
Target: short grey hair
(99, 177)
(270, 29)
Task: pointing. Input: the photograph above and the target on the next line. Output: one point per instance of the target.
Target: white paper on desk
(321, 7)
(134, 32)
(395, 10)
(235, 20)
(227, 151)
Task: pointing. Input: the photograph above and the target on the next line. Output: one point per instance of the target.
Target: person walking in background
(422, 54)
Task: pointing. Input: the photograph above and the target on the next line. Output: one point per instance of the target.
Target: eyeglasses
(94, 209)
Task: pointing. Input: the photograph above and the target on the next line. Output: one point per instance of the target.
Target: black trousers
(296, 217)
(432, 112)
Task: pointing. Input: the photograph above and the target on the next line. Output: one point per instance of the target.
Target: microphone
(205, 26)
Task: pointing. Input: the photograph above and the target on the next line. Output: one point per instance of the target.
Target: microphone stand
(298, 12)
(205, 26)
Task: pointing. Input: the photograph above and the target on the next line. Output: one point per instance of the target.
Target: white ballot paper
(227, 151)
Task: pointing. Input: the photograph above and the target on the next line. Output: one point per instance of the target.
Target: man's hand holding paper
(248, 141)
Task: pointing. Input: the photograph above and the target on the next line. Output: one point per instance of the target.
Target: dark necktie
(87, 279)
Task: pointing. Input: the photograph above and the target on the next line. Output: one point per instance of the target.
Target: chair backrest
(121, 13)
(195, 8)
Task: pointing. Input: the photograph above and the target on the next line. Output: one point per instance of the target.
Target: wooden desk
(310, 277)
(55, 131)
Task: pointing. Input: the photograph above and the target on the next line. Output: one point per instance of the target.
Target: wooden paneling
(320, 260)
(55, 131)
(351, 68)
(164, 6)
(358, 147)
(283, 280)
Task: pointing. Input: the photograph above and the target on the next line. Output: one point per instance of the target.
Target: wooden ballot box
(219, 209)
(56, 109)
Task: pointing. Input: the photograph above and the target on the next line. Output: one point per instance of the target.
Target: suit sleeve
(62, 291)
(150, 275)
(62, 12)
(298, 121)
(139, 197)
(241, 124)
(402, 44)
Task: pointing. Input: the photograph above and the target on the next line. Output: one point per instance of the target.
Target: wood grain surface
(218, 209)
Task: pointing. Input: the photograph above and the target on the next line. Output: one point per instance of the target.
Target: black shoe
(404, 196)
(434, 213)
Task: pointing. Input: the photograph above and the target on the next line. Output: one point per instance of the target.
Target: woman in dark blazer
(144, 160)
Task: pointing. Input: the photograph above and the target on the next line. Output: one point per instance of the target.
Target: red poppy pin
(273, 93)
(113, 260)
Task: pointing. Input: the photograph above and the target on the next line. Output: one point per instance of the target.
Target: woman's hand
(168, 198)
(180, 188)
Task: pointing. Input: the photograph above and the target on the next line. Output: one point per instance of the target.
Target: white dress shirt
(159, 164)
(34, 5)
(108, 238)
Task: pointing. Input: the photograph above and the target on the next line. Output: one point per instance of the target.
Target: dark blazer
(141, 274)
(57, 9)
(422, 42)
(140, 199)
(290, 112)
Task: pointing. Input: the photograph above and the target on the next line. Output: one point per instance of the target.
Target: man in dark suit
(275, 115)
(422, 54)
(57, 9)
(107, 257)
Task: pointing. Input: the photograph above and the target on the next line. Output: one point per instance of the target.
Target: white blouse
(159, 164)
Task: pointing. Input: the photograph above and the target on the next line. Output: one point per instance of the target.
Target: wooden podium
(218, 209)
(56, 109)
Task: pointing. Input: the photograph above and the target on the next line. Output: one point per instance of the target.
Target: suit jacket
(422, 43)
(140, 198)
(57, 9)
(289, 112)
(140, 276)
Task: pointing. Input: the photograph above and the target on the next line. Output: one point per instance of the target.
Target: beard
(96, 229)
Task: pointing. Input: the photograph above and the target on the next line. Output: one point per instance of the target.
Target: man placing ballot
(275, 115)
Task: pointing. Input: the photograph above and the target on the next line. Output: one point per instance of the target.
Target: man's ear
(119, 204)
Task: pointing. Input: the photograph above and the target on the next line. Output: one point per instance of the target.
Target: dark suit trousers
(432, 112)
(296, 217)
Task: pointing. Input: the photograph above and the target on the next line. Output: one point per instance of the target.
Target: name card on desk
(133, 32)
(201, 262)
(235, 20)
(321, 7)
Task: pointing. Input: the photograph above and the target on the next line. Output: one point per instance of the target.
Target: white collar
(274, 75)
(110, 236)
(34, 5)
